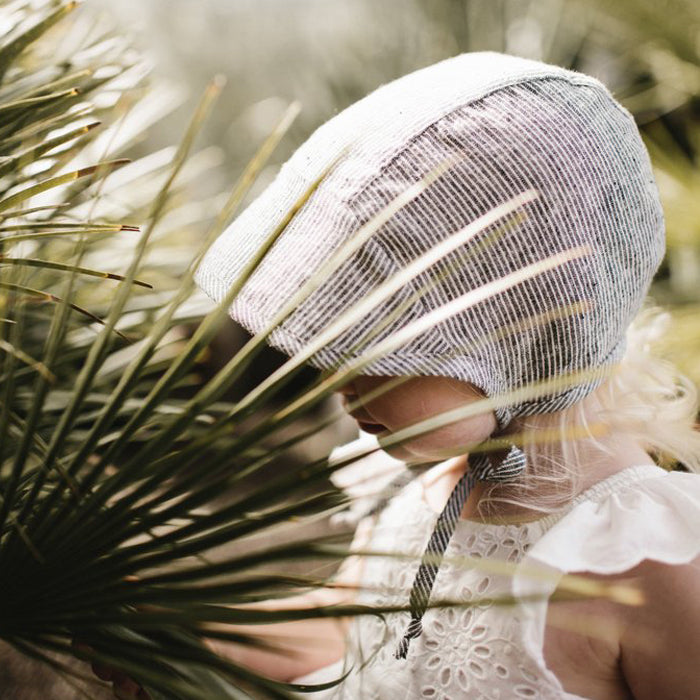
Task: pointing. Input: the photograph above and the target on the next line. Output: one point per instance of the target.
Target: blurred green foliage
(114, 454)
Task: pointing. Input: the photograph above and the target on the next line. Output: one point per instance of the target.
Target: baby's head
(500, 125)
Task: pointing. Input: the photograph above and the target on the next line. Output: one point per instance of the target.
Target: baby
(541, 357)
(485, 231)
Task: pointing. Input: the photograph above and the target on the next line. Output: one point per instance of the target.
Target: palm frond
(114, 455)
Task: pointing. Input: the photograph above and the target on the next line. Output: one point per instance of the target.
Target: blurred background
(328, 53)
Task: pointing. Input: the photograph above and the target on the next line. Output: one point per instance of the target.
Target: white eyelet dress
(493, 651)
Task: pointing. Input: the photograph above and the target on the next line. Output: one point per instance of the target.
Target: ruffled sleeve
(640, 513)
(652, 514)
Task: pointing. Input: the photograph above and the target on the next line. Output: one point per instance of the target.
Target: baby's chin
(398, 452)
(439, 444)
(421, 454)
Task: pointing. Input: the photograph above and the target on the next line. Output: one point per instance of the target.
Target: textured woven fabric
(510, 124)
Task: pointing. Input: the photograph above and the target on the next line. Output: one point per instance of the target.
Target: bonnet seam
(590, 83)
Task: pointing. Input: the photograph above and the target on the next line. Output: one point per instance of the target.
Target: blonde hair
(646, 400)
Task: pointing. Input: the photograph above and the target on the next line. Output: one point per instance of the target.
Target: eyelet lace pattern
(464, 652)
(487, 651)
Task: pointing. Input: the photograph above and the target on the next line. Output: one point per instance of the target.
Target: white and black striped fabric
(481, 467)
(510, 124)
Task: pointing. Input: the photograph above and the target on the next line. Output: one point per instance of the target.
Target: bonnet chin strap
(482, 469)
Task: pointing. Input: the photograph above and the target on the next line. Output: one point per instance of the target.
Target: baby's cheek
(456, 438)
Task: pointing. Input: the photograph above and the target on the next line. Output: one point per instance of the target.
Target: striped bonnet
(508, 125)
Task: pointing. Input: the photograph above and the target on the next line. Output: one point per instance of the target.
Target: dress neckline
(596, 492)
